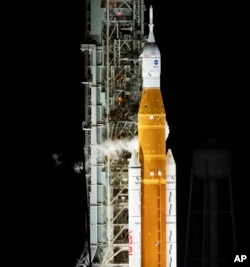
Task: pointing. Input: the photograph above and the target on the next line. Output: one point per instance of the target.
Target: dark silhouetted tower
(210, 236)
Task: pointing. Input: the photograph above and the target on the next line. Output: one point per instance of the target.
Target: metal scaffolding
(112, 86)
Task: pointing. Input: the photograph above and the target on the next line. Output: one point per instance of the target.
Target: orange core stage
(152, 155)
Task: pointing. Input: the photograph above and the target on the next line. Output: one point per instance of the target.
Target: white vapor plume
(114, 147)
(167, 130)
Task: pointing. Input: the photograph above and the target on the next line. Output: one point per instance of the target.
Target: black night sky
(204, 83)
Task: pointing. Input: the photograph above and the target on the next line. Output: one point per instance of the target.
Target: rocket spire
(151, 38)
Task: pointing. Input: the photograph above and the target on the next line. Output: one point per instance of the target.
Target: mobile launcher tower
(131, 179)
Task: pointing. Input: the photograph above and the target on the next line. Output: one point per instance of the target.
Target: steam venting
(115, 147)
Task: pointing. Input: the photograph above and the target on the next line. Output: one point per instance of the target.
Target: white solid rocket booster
(171, 220)
(134, 205)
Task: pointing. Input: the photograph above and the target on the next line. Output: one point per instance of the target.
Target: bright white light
(167, 130)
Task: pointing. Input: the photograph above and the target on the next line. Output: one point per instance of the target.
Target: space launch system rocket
(152, 155)
(152, 200)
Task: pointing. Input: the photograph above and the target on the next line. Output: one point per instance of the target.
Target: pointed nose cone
(134, 161)
(170, 157)
(171, 166)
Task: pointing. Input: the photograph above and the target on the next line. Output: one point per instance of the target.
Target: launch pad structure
(113, 84)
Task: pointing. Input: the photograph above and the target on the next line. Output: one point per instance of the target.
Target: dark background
(205, 84)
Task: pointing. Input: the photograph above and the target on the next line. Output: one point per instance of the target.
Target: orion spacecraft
(130, 173)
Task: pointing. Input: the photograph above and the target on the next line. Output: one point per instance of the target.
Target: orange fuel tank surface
(152, 155)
